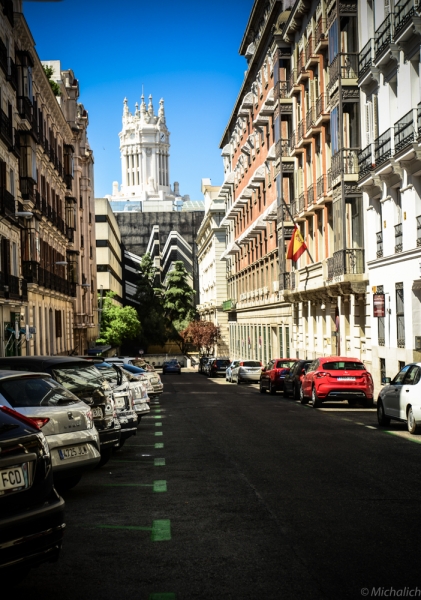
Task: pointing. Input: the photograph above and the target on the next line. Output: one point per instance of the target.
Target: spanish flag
(296, 245)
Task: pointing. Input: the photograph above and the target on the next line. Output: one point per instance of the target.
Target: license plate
(14, 478)
(346, 378)
(97, 412)
(65, 453)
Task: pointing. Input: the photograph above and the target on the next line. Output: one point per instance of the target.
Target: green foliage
(178, 298)
(151, 310)
(118, 323)
(54, 85)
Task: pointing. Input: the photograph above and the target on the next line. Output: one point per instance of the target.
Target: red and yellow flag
(296, 245)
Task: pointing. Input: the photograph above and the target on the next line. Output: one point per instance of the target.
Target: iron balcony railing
(404, 11)
(398, 238)
(348, 262)
(14, 287)
(301, 202)
(365, 160)
(330, 268)
(344, 66)
(310, 194)
(383, 147)
(292, 79)
(282, 148)
(301, 129)
(310, 52)
(281, 90)
(379, 236)
(310, 117)
(321, 186)
(25, 108)
(292, 141)
(321, 105)
(293, 207)
(405, 130)
(7, 203)
(345, 162)
(419, 231)
(366, 57)
(284, 281)
(383, 36)
(321, 35)
(329, 178)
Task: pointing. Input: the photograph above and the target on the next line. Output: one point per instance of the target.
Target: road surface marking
(370, 427)
(404, 435)
(160, 485)
(161, 531)
(159, 446)
(158, 433)
(158, 424)
(159, 462)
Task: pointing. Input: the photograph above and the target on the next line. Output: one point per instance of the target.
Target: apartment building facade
(211, 244)
(108, 251)
(319, 145)
(49, 140)
(389, 177)
(260, 321)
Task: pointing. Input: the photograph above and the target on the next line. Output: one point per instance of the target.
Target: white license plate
(65, 453)
(346, 378)
(14, 478)
(96, 412)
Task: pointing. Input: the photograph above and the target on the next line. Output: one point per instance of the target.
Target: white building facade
(390, 176)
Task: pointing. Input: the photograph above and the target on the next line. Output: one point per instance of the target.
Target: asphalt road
(226, 493)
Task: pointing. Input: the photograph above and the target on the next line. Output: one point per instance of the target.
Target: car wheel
(303, 399)
(412, 424)
(272, 389)
(315, 402)
(106, 454)
(382, 419)
(261, 388)
(62, 485)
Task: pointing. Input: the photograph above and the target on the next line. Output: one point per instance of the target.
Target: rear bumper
(252, 377)
(79, 464)
(109, 437)
(345, 394)
(33, 536)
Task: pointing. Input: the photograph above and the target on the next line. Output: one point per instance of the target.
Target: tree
(178, 295)
(151, 311)
(118, 323)
(203, 334)
(54, 85)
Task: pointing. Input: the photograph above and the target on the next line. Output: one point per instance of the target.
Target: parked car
(123, 399)
(136, 361)
(246, 371)
(400, 399)
(203, 362)
(153, 377)
(84, 380)
(274, 373)
(171, 366)
(293, 379)
(337, 378)
(31, 512)
(218, 366)
(66, 422)
(228, 372)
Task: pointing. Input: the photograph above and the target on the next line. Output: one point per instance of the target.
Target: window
(382, 370)
(281, 342)
(58, 323)
(412, 376)
(400, 376)
(400, 317)
(287, 354)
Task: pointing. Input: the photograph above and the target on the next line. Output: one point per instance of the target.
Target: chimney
(176, 188)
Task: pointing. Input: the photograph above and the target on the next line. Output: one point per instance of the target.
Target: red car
(337, 378)
(273, 375)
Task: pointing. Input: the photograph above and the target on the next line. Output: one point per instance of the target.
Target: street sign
(379, 309)
(288, 232)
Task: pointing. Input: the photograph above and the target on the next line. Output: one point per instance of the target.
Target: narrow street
(227, 493)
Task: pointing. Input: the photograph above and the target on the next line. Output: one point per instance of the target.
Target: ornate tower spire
(142, 105)
(150, 106)
(161, 112)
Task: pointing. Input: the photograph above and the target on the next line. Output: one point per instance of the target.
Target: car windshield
(35, 391)
(108, 372)
(342, 365)
(285, 364)
(223, 363)
(251, 363)
(81, 380)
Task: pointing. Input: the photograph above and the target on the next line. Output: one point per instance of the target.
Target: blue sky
(185, 52)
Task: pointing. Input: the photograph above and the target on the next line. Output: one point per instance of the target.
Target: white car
(401, 398)
(228, 372)
(246, 370)
(66, 422)
(156, 388)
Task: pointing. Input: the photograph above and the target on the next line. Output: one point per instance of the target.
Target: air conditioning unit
(418, 342)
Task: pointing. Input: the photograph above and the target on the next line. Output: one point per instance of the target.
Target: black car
(293, 379)
(85, 381)
(217, 366)
(31, 511)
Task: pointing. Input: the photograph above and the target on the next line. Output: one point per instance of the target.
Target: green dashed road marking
(159, 462)
(402, 437)
(158, 433)
(159, 446)
(160, 485)
(156, 416)
(157, 410)
(162, 596)
(158, 424)
(161, 531)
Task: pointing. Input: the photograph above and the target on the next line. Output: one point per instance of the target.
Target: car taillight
(39, 421)
(241, 364)
(19, 417)
(321, 374)
(214, 364)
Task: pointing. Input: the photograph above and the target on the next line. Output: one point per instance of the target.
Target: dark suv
(31, 511)
(217, 366)
(85, 381)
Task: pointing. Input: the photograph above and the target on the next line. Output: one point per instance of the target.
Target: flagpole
(293, 220)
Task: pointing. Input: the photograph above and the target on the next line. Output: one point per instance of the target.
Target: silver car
(66, 422)
(228, 372)
(157, 386)
(247, 370)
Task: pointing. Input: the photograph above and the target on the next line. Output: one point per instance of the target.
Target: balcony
(365, 161)
(418, 231)
(311, 56)
(345, 67)
(406, 131)
(407, 24)
(6, 131)
(345, 162)
(12, 73)
(228, 305)
(7, 203)
(398, 238)
(321, 37)
(310, 195)
(284, 281)
(282, 148)
(348, 262)
(294, 86)
(70, 234)
(366, 58)
(30, 271)
(12, 287)
(310, 118)
(321, 187)
(383, 148)
(301, 202)
(301, 130)
(329, 179)
(25, 109)
(379, 242)
(68, 179)
(281, 90)
(322, 112)
(383, 38)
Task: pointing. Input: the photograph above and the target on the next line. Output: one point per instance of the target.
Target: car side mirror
(386, 380)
